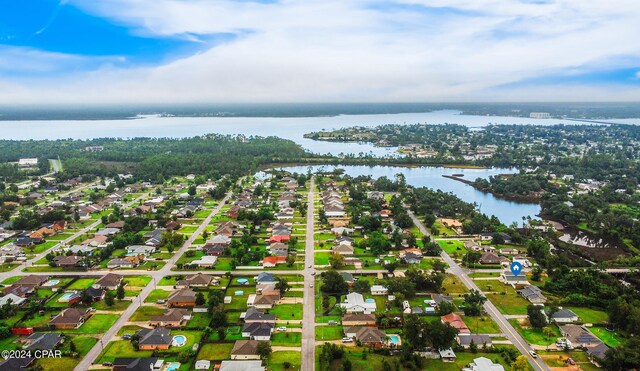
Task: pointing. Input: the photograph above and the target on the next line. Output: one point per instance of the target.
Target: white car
(282, 328)
(310, 266)
(533, 354)
(346, 340)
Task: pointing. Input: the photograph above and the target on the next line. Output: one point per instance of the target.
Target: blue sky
(105, 51)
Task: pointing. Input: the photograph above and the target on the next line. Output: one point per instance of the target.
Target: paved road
(156, 276)
(309, 309)
(491, 309)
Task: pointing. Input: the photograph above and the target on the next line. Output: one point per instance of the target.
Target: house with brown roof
(245, 349)
(343, 249)
(359, 319)
(456, 322)
(182, 298)
(70, 318)
(367, 335)
(110, 281)
(492, 258)
(171, 318)
(262, 301)
(197, 280)
(67, 261)
(33, 280)
(578, 336)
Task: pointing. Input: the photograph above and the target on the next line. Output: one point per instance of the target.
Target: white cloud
(334, 50)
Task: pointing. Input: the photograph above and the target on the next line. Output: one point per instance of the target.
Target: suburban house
(564, 316)
(597, 353)
(171, 318)
(258, 330)
(439, 298)
(214, 250)
(579, 337)
(249, 365)
(206, 261)
(126, 262)
(197, 280)
(43, 341)
(359, 319)
(266, 277)
(456, 322)
(447, 355)
(472, 245)
(279, 249)
(412, 258)
(109, 281)
(182, 298)
(13, 299)
(138, 364)
(492, 258)
(533, 294)
(480, 340)
(348, 278)
(355, 303)
(367, 335)
(483, 364)
(219, 240)
(343, 249)
(154, 339)
(262, 301)
(272, 261)
(140, 250)
(67, 261)
(256, 315)
(379, 290)
(70, 318)
(245, 349)
(509, 278)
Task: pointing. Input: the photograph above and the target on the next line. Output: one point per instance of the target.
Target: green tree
(520, 364)
(537, 319)
(120, 292)
(333, 283)
(108, 299)
(264, 349)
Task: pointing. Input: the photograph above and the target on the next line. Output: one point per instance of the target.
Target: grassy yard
(481, 325)
(215, 352)
(453, 285)
(287, 311)
(144, 313)
(287, 339)
(546, 336)
(509, 303)
(329, 332)
(137, 281)
(611, 338)
(278, 359)
(588, 315)
(82, 283)
(97, 324)
(157, 294)
(120, 349)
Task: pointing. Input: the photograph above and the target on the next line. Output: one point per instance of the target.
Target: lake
(285, 127)
(427, 176)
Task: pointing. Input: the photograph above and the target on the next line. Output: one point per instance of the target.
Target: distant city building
(539, 115)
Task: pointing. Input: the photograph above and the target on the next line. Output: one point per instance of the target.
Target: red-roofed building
(274, 239)
(272, 261)
(456, 322)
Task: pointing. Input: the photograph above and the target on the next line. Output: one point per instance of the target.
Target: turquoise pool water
(394, 339)
(239, 293)
(173, 366)
(51, 283)
(242, 280)
(178, 341)
(66, 296)
(370, 301)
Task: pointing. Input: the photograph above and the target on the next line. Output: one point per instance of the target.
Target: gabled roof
(156, 336)
(245, 347)
(138, 364)
(68, 316)
(171, 315)
(563, 313)
(182, 295)
(109, 280)
(259, 328)
(43, 341)
(255, 315)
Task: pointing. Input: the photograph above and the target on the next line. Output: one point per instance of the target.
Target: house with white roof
(355, 303)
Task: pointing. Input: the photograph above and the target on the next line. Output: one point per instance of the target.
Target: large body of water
(294, 128)
(285, 127)
(507, 211)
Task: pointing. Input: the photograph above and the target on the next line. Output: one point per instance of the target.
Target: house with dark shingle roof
(197, 280)
(171, 318)
(155, 339)
(533, 294)
(43, 341)
(258, 330)
(182, 298)
(480, 340)
(245, 349)
(110, 281)
(564, 316)
(138, 364)
(579, 337)
(256, 315)
(70, 318)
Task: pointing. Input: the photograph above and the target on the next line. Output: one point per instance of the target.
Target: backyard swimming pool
(65, 298)
(394, 339)
(51, 283)
(370, 301)
(178, 341)
(243, 281)
(173, 366)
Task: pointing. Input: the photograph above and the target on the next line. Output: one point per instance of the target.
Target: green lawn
(482, 325)
(453, 285)
(588, 315)
(287, 339)
(329, 332)
(84, 343)
(215, 352)
(121, 349)
(137, 281)
(199, 320)
(82, 283)
(321, 258)
(57, 364)
(97, 324)
(509, 303)
(157, 294)
(611, 338)
(287, 311)
(538, 337)
(144, 313)
(277, 360)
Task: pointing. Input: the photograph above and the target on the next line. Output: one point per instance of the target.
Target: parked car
(126, 337)
(282, 328)
(346, 340)
(332, 323)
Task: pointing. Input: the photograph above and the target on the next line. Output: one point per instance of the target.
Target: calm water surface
(507, 211)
